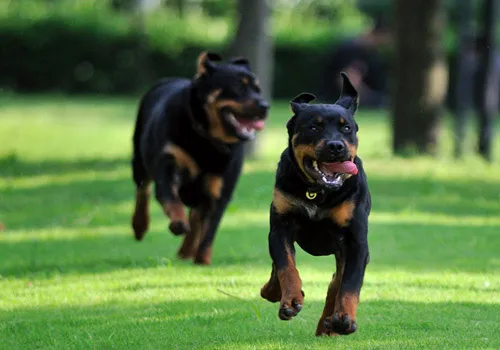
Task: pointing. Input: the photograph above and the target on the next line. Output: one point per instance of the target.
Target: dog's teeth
(315, 165)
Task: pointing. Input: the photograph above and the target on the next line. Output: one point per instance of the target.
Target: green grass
(71, 276)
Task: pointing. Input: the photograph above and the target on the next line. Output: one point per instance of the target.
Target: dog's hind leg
(140, 218)
(167, 182)
(197, 221)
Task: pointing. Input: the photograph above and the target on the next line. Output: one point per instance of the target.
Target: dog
(322, 202)
(189, 141)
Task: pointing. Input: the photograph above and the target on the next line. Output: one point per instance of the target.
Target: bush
(86, 47)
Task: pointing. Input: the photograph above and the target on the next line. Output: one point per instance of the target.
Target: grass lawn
(71, 276)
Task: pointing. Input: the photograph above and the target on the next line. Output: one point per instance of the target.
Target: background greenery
(88, 47)
(72, 277)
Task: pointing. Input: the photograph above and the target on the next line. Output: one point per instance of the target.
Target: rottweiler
(189, 141)
(321, 201)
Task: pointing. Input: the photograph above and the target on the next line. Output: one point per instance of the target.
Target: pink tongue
(342, 167)
(252, 124)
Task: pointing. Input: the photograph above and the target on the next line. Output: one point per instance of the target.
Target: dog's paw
(291, 306)
(204, 257)
(339, 323)
(179, 228)
(185, 254)
(271, 292)
(140, 223)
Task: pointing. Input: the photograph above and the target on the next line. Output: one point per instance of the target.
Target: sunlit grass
(71, 275)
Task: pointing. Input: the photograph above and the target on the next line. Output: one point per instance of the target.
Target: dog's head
(231, 97)
(323, 137)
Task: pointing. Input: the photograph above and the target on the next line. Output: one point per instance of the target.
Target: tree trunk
(253, 41)
(420, 76)
(465, 73)
(135, 5)
(488, 79)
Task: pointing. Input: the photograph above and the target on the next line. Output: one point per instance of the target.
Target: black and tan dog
(321, 201)
(188, 140)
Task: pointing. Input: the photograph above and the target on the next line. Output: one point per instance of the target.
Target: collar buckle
(311, 195)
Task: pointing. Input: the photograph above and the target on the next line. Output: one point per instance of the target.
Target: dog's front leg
(343, 320)
(332, 295)
(167, 183)
(282, 250)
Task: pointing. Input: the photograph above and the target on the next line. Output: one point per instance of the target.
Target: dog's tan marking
(214, 185)
(349, 304)
(140, 218)
(213, 109)
(280, 202)
(272, 290)
(290, 283)
(183, 159)
(175, 211)
(353, 149)
(300, 151)
(202, 58)
(193, 237)
(332, 297)
(342, 213)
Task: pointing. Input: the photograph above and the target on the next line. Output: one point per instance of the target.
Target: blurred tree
(135, 5)
(465, 68)
(218, 8)
(253, 41)
(489, 76)
(178, 5)
(420, 75)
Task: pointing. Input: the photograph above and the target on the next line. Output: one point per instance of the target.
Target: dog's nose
(263, 105)
(335, 147)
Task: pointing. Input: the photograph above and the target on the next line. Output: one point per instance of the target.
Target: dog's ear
(295, 104)
(302, 98)
(242, 61)
(349, 98)
(290, 126)
(206, 62)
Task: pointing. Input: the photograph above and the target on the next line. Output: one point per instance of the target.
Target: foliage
(71, 275)
(86, 46)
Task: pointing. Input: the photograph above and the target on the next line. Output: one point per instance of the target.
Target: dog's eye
(346, 128)
(240, 89)
(313, 128)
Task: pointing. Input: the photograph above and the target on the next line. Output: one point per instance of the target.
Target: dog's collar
(311, 193)
(198, 128)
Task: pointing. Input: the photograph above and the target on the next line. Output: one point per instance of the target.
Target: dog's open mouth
(244, 127)
(331, 174)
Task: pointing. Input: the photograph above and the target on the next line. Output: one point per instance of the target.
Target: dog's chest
(312, 211)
